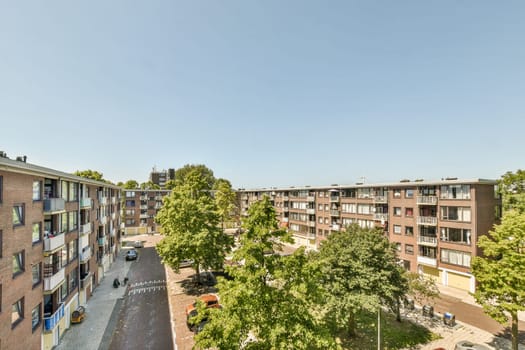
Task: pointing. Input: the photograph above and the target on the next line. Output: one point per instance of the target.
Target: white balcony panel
(426, 261)
(52, 243)
(54, 281)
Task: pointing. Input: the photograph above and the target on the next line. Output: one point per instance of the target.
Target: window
(409, 212)
(130, 212)
(73, 192)
(409, 249)
(455, 213)
(63, 291)
(397, 229)
(73, 220)
(455, 192)
(409, 231)
(64, 190)
(37, 190)
(18, 263)
(62, 254)
(409, 193)
(130, 221)
(36, 271)
(1, 243)
(130, 194)
(72, 250)
(455, 235)
(37, 232)
(397, 193)
(363, 209)
(398, 246)
(397, 211)
(429, 252)
(36, 316)
(73, 276)
(326, 207)
(63, 223)
(130, 203)
(349, 208)
(17, 312)
(18, 214)
(455, 257)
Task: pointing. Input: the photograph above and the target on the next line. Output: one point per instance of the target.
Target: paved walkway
(90, 334)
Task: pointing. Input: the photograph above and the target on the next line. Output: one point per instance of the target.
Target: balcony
(334, 212)
(380, 199)
(381, 217)
(84, 241)
(334, 198)
(86, 228)
(311, 223)
(427, 220)
(113, 232)
(85, 280)
(427, 200)
(85, 255)
(50, 322)
(284, 220)
(158, 206)
(102, 241)
(113, 200)
(310, 211)
(113, 215)
(158, 198)
(335, 227)
(286, 208)
(51, 282)
(86, 203)
(103, 200)
(424, 260)
(52, 243)
(285, 198)
(103, 220)
(144, 207)
(427, 240)
(53, 205)
(104, 260)
(144, 216)
(310, 198)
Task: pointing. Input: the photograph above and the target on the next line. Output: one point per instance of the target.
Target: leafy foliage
(360, 272)
(501, 288)
(205, 173)
(149, 185)
(512, 188)
(190, 223)
(130, 185)
(422, 288)
(267, 304)
(225, 198)
(91, 174)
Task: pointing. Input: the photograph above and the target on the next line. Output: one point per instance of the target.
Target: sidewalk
(90, 334)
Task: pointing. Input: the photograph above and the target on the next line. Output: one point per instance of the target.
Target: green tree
(512, 188)
(360, 272)
(205, 173)
(269, 298)
(130, 185)
(501, 288)
(225, 198)
(149, 185)
(170, 184)
(190, 223)
(421, 288)
(91, 174)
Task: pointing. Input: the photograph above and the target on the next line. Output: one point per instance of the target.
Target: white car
(138, 244)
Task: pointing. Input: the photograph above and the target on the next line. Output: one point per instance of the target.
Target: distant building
(140, 209)
(161, 177)
(58, 236)
(434, 224)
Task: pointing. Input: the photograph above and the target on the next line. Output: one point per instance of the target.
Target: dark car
(131, 255)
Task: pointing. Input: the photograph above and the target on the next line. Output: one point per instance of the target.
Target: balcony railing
(103, 220)
(102, 241)
(144, 207)
(103, 200)
(86, 203)
(54, 242)
(286, 208)
(103, 260)
(85, 255)
(311, 223)
(113, 215)
(144, 216)
(335, 227)
(310, 198)
(380, 199)
(334, 198)
(113, 232)
(284, 220)
(334, 212)
(285, 198)
(427, 240)
(50, 322)
(52, 205)
(113, 200)
(427, 200)
(85, 280)
(381, 217)
(426, 261)
(310, 211)
(86, 228)
(55, 280)
(84, 241)
(427, 220)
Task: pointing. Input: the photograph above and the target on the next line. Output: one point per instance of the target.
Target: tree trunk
(198, 271)
(514, 315)
(351, 325)
(398, 310)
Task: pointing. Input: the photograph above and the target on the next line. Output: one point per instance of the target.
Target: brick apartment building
(58, 236)
(140, 209)
(161, 177)
(434, 224)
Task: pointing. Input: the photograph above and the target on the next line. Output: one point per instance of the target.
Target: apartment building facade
(434, 224)
(161, 177)
(140, 209)
(58, 236)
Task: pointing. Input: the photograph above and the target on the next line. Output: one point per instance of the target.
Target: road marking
(146, 287)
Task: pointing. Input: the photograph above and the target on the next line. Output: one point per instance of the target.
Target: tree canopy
(512, 188)
(225, 198)
(205, 173)
(501, 288)
(91, 174)
(130, 185)
(190, 222)
(266, 305)
(149, 185)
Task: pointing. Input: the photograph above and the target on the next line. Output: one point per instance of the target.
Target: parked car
(138, 244)
(210, 300)
(131, 255)
(467, 345)
(186, 263)
(206, 278)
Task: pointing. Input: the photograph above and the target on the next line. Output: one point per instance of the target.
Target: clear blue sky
(266, 93)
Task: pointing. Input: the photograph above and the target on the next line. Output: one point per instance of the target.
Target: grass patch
(394, 334)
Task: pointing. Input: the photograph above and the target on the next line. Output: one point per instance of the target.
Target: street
(144, 319)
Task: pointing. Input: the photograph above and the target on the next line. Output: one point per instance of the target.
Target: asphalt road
(144, 319)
